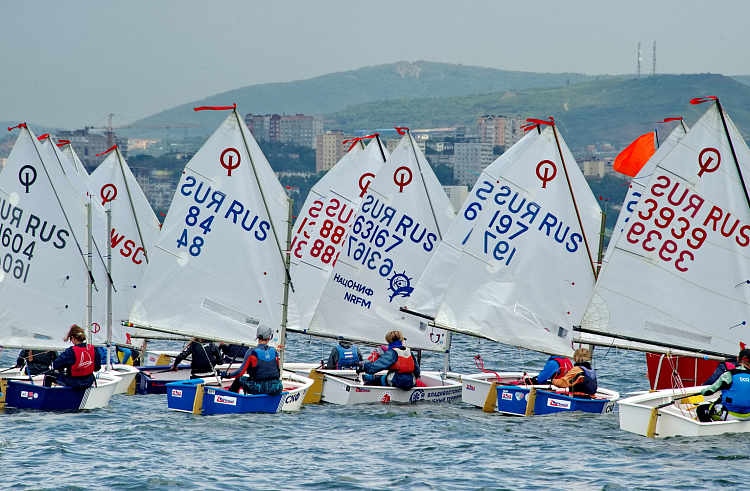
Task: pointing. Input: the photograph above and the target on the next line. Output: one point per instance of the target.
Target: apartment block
(469, 160)
(500, 131)
(298, 130)
(329, 149)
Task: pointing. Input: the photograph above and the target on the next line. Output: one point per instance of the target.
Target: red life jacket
(565, 366)
(84, 364)
(404, 363)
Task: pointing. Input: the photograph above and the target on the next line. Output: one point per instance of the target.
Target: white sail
(524, 275)
(428, 294)
(334, 215)
(99, 226)
(217, 268)
(308, 215)
(679, 273)
(67, 150)
(44, 276)
(399, 224)
(134, 232)
(638, 183)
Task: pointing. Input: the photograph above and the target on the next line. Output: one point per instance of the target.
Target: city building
(87, 145)
(457, 195)
(329, 149)
(298, 130)
(592, 167)
(500, 131)
(469, 160)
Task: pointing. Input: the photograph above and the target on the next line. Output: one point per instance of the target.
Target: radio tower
(639, 61)
(653, 68)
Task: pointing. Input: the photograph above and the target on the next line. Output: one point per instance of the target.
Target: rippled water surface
(137, 443)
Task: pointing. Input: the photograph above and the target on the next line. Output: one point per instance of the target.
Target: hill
(613, 110)
(336, 91)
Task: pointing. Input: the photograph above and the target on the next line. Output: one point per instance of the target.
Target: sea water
(136, 443)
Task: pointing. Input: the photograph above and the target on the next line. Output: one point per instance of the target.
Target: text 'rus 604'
(210, 204)
(18, 234)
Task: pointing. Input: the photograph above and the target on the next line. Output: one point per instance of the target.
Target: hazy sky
(71, 63)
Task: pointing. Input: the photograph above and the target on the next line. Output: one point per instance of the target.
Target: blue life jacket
(268, 367)
(348, 358)
(588, 384)
(737, 397)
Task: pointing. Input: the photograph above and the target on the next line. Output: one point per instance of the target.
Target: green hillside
(336, 91)
(613, 110)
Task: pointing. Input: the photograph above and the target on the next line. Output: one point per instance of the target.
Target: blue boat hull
(181, 396)
(24, 395)
(513, 400)
(147, 384)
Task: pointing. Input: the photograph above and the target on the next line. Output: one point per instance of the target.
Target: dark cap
(744, 355)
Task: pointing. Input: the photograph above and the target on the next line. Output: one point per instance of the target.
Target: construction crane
(111, 135)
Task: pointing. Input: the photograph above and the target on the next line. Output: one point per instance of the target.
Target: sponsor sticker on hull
(176, 392)
(558, 403)
(470, 387)
(220, 399)
(507, 396)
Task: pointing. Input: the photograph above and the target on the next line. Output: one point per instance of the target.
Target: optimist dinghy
(517, 266)
(671, 412)
(44, 216)
(373, 242)
(218, 269)
(678, 274)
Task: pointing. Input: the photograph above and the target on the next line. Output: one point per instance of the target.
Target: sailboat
(45, 271)
(374, 242)
(678, 275)
(662, 363)
(219, 267)
(131, 236)
(517, 267)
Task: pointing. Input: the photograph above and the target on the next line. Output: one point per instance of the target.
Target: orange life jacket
(404, 363)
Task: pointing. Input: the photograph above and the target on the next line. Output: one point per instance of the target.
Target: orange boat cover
(632, 159)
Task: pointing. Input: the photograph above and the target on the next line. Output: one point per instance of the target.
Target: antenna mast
(639, 61)
(653, 68)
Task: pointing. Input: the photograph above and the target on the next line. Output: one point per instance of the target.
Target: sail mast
(285, 304)
(110, 286)
(89, 259)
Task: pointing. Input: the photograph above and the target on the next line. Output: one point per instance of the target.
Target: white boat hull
(343, 387)
(671, 420)
(126, 373)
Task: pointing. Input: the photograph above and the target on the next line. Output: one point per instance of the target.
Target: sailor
(403, 368)
(581, 379)
(344, 356)
(734, 403)
(261, 366)
(556, 367)
(722, 367)
(79, 362)
(36, 361)
(204, 357)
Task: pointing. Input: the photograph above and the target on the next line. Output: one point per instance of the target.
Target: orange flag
(633, 158)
